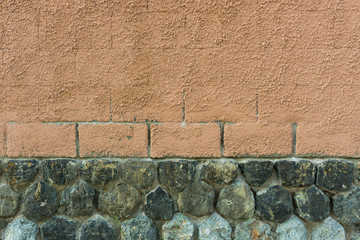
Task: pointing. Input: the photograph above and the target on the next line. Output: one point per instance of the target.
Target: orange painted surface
(260, 65)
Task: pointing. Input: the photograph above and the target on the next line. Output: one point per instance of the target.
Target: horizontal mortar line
(112, 122)
(124, 158)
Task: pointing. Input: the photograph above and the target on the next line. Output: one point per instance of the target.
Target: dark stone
(139, 228)
(312, 204)
(219, 172)
(176, 174)
(236, 201)
(347, 206)
(99, 172)
(9, 201)
(257, 172)
(20, 173)
(295, 173)
(77, 200)
(21, 229)
(120, 200)
(60, 171)
(40, 201)
(97, 228)
(274, 204)
(58, 228)
(335, 175)
(159, 205)
(139, 173)
(197, 199)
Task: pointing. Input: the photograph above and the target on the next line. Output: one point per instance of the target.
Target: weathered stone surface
(347, 206)
(335, 175)
(138, 172)
(176, 174)
(274, 204)
(58, 228)
(139, 228)
(219, 172)
(97, 228)
(159, 205)
(60, 171)
(329, 229)
(120, 200)
(21, 229)
(253, 229)
(40, 201)
(293, 229)
(197, 199)
(20, 173)
(99, 171)
(9, 201)
(77, 200)
(312, 204)
(180, 227)
(295, 173)
(214, 228)
(257, 172)
(236, 201)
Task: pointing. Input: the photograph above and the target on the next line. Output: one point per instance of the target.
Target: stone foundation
(179, 199)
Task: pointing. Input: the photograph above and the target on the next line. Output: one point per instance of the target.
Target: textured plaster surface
(255, 62)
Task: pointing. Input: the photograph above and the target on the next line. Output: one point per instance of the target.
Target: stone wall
(180, 199)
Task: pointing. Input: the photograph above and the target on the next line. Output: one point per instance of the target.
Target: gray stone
(257, 172)
(99, 171)
(274, 204)
(97, 228)
(58, 228)
(21, 229)
(329, 229)
(253, 229)
(214, 228)
(236, 201)
(159, 205)
(40, 201)
(219, 172)
(20, 173)
(60, 171)
(180, 227)
(176, 174)
(312, 204)
(9, 201)
(120, 200)
(197, 199)
(335, 175)
(295, 173)
(77, 200)
(139, 228)
(139, 173)
(347, 206)
(293, 229)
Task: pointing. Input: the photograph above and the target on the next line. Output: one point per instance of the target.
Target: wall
(163, 80)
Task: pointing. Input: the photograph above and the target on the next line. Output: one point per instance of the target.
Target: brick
(19, 22)
(113, 140)
(290, 104)
(336, 139)
(256, 139)
(188, 140)
(2, 140)
(157, 29)
(41, 140)
(148, 86)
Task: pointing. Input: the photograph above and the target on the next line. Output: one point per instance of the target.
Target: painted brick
(256, 139)
(337, 139)
(2, 140)
(109, 140)
(41, 140)
(185, 140)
